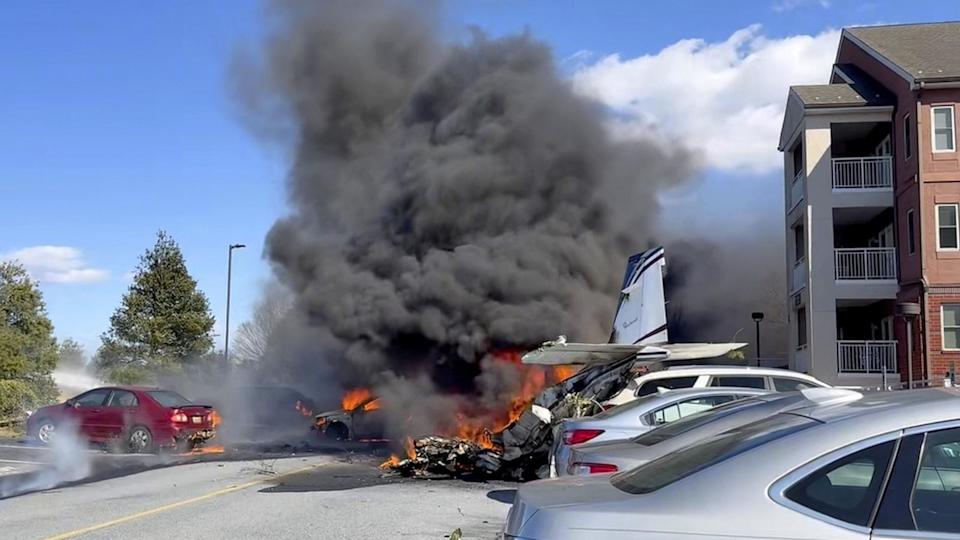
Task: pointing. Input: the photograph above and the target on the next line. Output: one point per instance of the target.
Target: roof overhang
(876, 55)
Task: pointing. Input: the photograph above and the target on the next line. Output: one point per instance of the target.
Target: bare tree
(253, 336)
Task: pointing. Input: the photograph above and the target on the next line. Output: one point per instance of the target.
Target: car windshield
(678, 465)
(685, 424)
(168, 398)
(613, 411)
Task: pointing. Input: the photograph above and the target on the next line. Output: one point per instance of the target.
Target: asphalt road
(241, 494)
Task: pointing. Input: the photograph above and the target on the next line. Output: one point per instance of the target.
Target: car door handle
(94, 410)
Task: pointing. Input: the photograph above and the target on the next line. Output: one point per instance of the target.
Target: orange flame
(395, 460)
(480, 428)
(215, 419)
(359, 397)
(207, 450)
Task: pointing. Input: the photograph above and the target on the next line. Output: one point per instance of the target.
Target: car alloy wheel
(140, 440)
(46, 432)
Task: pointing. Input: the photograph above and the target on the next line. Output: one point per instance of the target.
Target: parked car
(264, 413)
(365, 420)
(772, 379)
(623, 455)
(139, 419)
(884, 466)
(633, 418)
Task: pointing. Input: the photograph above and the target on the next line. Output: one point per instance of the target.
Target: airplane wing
(696, 351)
(560, 352)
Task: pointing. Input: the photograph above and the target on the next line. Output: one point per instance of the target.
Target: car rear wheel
(337, 431)
(46, 431)
(139, 440)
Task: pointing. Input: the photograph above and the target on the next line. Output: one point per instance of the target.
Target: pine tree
(163, 323)
(71, 355)
(28, 350)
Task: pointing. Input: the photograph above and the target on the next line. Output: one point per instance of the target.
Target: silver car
(881, 467)
(636, 417)
(626, 454)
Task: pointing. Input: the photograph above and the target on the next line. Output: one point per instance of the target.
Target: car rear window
(693, 421)
(738, 381)
(613, 411)
(692, 459)
(784, 384)
(670, 383)
(168, 398)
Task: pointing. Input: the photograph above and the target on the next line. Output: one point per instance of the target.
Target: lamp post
(226, 333)
(757, 316)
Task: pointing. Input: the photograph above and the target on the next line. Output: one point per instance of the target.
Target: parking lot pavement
(311, 496)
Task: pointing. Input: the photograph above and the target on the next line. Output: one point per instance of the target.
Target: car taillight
(584, 469)
(577, 436)
(179, 417)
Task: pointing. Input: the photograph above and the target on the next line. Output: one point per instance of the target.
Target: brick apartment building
(872, 190)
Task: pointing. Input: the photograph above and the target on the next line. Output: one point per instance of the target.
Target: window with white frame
(947, 233)
(943, 136)
(950, 325)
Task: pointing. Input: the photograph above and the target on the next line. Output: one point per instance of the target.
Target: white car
(880, 466)
(770, 379)
(631, 419)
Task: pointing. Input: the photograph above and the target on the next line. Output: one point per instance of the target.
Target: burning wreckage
(521, 450)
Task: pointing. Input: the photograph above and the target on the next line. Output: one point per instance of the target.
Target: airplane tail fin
(641, 317)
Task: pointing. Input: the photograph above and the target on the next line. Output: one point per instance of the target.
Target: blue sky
(118, 121)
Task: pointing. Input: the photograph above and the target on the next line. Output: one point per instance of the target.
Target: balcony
(797, 189)
(799, 279)
(861, 173)
(865, 357)
(865, 263)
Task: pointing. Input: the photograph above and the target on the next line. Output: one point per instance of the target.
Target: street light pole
(226, 333)
(757, 317)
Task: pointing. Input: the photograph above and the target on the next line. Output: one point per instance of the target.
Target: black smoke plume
(447, 199)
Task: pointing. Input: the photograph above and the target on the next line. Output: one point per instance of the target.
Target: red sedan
(139, 419)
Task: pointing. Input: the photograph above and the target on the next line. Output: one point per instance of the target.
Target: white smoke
(68, 460)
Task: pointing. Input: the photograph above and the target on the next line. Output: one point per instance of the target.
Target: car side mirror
(70, 404)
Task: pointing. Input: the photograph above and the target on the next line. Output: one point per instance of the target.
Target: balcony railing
(865, 263)
(863, 173)
(799, 275)
(797, 189)
(866, 356)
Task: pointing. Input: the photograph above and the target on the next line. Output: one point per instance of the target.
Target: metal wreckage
(638, 345)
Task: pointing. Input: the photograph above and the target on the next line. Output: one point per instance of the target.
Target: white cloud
(724, 99)
(56, 264)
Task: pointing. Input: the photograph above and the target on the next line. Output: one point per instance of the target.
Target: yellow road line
(146, 513)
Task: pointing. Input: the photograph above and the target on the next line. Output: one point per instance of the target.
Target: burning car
(263, 413)
(359, 417)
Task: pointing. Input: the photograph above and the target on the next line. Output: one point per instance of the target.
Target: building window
(911, 232)
(801, 328)
(950, 326)
(943, 139)
(947, 234)
(906, 137)
(799, 244)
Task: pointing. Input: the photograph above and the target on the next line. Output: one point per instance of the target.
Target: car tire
(140, 440)
(337, 431)
(45, 431)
